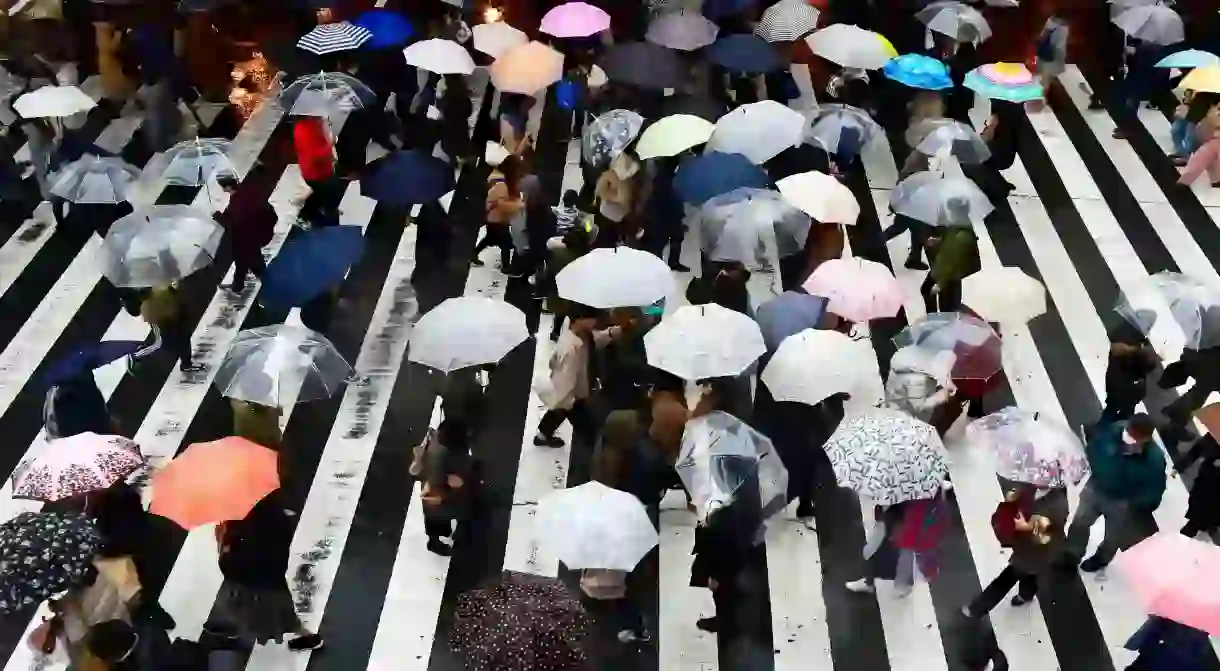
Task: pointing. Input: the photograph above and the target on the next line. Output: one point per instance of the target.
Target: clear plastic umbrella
(961, 22)
(467, 331)
(95, 180)
(1031, 447)
(939, 200)
(157, 245)
(975, 345)
(325, 94)
(754, 226)
(1156, 24)
(276, 365)
(1173, 298)
(194, 162)
(842, 129)
(948, 138)
(609, 134)
(724, 462)
(683, 30)
(595, 526)
(698, 342)
(888, 457)
(759, 131)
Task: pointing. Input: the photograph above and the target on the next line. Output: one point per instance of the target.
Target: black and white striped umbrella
(787, 21)
(330, 38)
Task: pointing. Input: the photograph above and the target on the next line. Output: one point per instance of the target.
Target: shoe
(1181, 161)
(435, 546)
(861, 586)
(235, 288)
(915, 264)
(548, 441)
(708, 624)
(306, 642)
(1096, 104)
(476, 262)
(1119, 134)
(629, 636)
(1019, 600)
(804, 510)
(902, 590)
(191, 368)
(968, 613)
(513, 274)
(679, 267)
(1092, 565)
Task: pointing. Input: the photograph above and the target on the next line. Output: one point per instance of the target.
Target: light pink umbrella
(79, 464)
(1175, 577)
(575, 19)
(858, 290)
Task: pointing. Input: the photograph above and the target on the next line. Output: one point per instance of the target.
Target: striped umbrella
(787, 21)
(330, 38)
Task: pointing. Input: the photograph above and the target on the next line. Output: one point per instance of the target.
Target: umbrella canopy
(821, 196)
(574, 19)
(949, 138)
(1173, 298)
(858, 290)
(748, 54)
(975, 347)
(852, 47)
(684, 30)
(154, 246)
(919, 72)
(701, 178)
(1204, 79)
(1156, 24)
(888, 457)
(443, 57)
(813, 365)
(1188, 59)
(495, 39)
(520, 622)
(788, 314)
(309, 264)
(53, 102)
(723, 9)
(1172, 575)
(645, 65)
(595, 526)
(752, 226)
(700, 106)
(272, 365)
(724, 462)
(842, 129)
(606, 136)
(214, 482)
(325, 94)
(85, 359)
(407, 178)
(759, 131)
(194, 162)
(939, 200)
(388, 28)
(619, 277)
(960, 22)
(1012, 82)
(1031, 448)
(673, 135)
(467, 331)
(698, 342)
(79, 464)
(1004, 294)
(787, 21)
(330, 38)
(43, 554)
(527, 69)
(95, 180)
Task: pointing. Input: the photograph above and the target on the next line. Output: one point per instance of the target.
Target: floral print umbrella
(79, 464)
(1031, 448)
(520, 622)
(888, 457)
(43, 554)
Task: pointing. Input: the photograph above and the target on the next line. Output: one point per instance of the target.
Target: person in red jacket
(316, 157)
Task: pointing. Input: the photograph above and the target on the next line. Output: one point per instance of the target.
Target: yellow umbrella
(1203, 79)
(673, 135)
(527, 68)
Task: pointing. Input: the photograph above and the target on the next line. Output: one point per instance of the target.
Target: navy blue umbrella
(789, 313)
(407, 178)
(309, 264)
(722, 9)
(702, 178)
(86, 359)
(389, 28)
(745, 53)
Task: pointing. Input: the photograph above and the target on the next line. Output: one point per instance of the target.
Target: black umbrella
(644, 64)
(43, 554)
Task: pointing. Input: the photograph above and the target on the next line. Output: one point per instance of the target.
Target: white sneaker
(902, 590)
(861, 586)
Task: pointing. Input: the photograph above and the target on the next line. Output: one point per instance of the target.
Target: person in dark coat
(665, 214)
(456, 108)
(721, 548)
(956, 256)
(447, 476)
(1165, 645)
(1203, 511)
(76, 406)
(1202, 365)
(251, 222)
(1130, 362)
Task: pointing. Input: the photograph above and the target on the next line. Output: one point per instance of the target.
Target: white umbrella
(443, 57)
(157, 245)
(1004, 294)
(1156, 24)
(813, 365)
(960, 22)
(95, 180)
(822, 197)
(612, 278)
(673, 135)
(759, 131)
(494, 39)
(851, 46)
(787, 21)
(704, 341)
(466, 331)
(272, 365)
(53, 101)
(595, 526)
(527, 69)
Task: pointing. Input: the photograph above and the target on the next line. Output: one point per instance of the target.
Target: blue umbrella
(309, 264)
(745, 53)
(1190, 58)
(389, 29)
(723, 9)
(702, 178)
(788, 313)
(919, 72)
(407, 178)
(86, 359)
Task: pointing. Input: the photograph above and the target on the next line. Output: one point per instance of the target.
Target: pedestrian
(918, 382)
(161, 307)
(1165, 645)
(568, 395)
(456, 108)
(725, 284)
(251, 220)
(1127, 484)
(903, 539)
(979, 650)
(1206, 155)
(665, 216)
(615, 194)
(445, 469)
(1203, 509)
(1131, 360)
(1204, 366)
(43, 143)
(76, 406)
(623, 373)
(1051, 51)
(955, 255)
(504, 202)
(514, 120)
(316, 158)
(1034, 540)
(571, 246)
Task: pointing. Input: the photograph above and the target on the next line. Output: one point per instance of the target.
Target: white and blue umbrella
(330, 38)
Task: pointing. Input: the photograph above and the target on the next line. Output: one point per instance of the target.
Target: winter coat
(257, 548)
(1204, 506)
(315, 154)
(256, 423)
(161, 306)
(570, 368)
(1164, 645)
(250, 219)
(76, 406)
(1137, 479)
(956, 257)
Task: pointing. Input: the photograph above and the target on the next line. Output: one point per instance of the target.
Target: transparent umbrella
(1031, 447)
(754, 226)
(95, 180)
(608, 135)
(842, 129)
(961, 22)
(1156, 24)
(325, 94)
(938, 200)
(975, 345)
(1173, 298)
(160, 244)
(277, 365)
(725, 463)
(194, 162)
(946, 137)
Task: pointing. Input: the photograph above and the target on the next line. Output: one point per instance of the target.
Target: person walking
(447, 477)
(568, 396)
(456, 108)
(1203, 509)
(316, 157)
(504, 202)
(1204, 366)
(905, 538)
(955, 256)
(1165, 645)
(161, 308)
(1131, 360)
(43, 143)
(251, 221)
(76, 406)
(1034, 538)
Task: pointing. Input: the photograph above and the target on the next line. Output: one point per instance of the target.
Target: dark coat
(258, 547)
(250, 219)
(77, 406)
(1204, 506)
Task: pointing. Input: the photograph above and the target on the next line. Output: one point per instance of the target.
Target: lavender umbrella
(682, 30)
(575, 19)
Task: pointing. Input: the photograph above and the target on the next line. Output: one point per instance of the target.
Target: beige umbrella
(673, 135)
(527, 69)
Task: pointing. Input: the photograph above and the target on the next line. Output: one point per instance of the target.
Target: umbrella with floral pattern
(43, 554)
(75, 465)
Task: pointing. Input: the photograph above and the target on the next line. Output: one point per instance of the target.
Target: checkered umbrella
(329, 38)
(787, 21)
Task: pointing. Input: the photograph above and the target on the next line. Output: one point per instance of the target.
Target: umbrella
(813, 365)
(858, 290)
(606, 136)
(842, 129)
(723, 9)
(388, 28)
(698, 342)
(329, 38)
(1205, 79)
(574, 19)
(682, 30)
(443, 57)
(938, 200)
(271, 365)
(751, 226)
(214, 482)
(43, 554)
(1004, 294)
(723, 461)
(699, 106)
(747, 54)
(527, 69)
(194, 162)
(1188, 59)
(759, 131)
(1172, 575)
(1209, 416)
(701, 178)
(821, 196)
(673, 135)
(308, 264)
(325, 94)
(467, 331)
(1031, 448)
(887, 457)
(157, 245)
(1174, 298)
(919, 71)
(960, 22)
(407, 178)
(1156, 24)
(520, 622)
(1012, 82)
(645, 65)
(595, 526)
(95, 180)
(947, 137)
(788, 314)
(787, 21)
(852, 47)
(975, 346)
(615, 277)
(86, 359)
(494, 39)
(53, 102)
(83, 463)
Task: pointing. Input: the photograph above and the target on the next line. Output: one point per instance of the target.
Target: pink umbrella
(858, 290)
(1175, 578)
(575, 19)
(79, 464)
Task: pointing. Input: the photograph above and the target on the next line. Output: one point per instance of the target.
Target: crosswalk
(1091, 217)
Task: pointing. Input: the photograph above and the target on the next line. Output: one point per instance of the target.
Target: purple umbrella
(684, 31)
(575, 19)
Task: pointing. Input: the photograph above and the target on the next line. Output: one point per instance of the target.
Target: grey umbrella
(644, 64)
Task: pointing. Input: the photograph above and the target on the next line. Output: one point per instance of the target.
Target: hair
(227, 181)
(111, 641)
(513, 170)
(569, 198)
(1141, 426)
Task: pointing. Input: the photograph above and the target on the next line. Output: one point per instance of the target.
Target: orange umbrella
(214, 482)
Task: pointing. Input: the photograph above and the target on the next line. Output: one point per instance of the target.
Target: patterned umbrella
(329, 38)
(43, 554)
(608, 135)
(787, 21)
(888, 457)
(1012, 82)
(1031, 447)
(520, 622)
(79, 464)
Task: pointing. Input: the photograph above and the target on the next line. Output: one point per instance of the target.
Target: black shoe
(1096, 104)
(1092, 564)
(708, 624)
(548, 441)
(476, 262)
(191, 368)
(435, 546)
(1020, 600)
(804, 510)
(679, 267)
(915, 264)
(307, 642)
(1119, 134)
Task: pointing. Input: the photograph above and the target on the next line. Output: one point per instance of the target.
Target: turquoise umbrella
(1190, 58)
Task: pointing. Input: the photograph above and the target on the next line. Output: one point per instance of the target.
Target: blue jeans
(1184, 140)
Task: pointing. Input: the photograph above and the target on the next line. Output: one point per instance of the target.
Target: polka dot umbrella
(43, 554)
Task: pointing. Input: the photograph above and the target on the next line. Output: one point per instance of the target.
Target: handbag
(420, 454)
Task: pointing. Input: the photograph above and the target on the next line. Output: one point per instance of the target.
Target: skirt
(254, 614)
